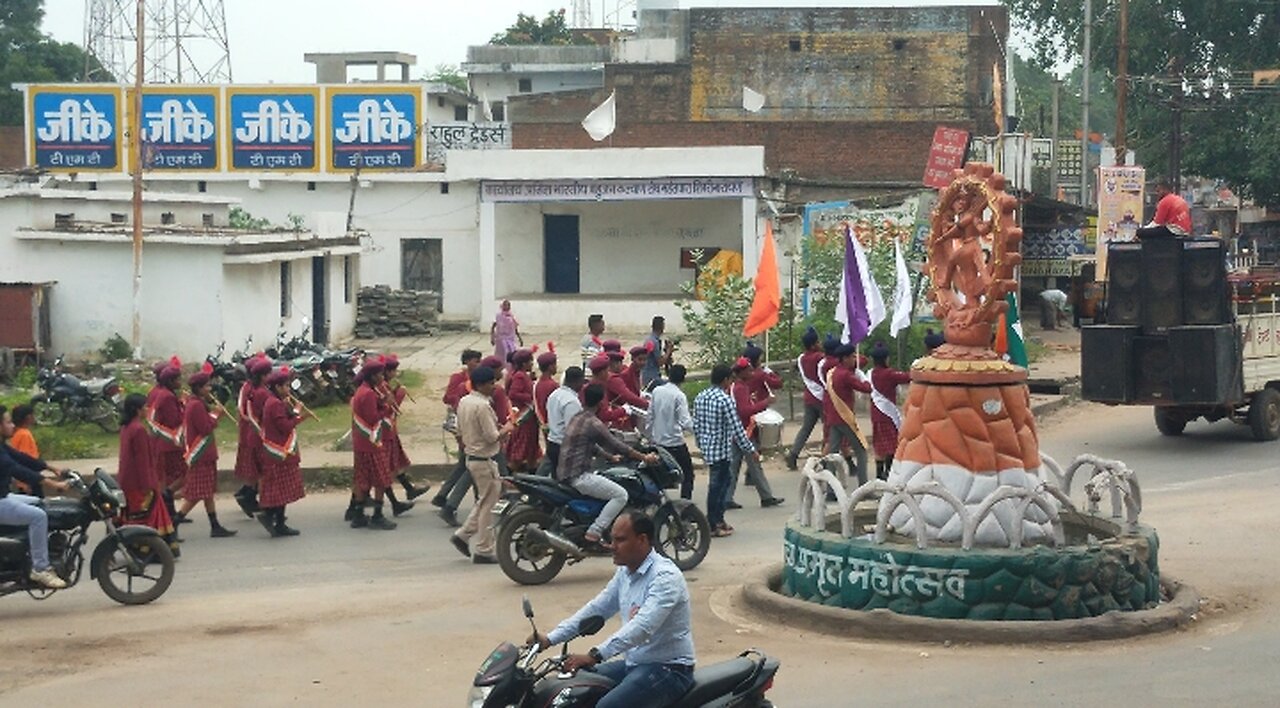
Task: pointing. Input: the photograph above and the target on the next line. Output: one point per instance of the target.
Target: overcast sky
(269, 37)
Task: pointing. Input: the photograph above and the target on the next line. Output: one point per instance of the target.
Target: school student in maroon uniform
(522, 447)
(886, 419)
(807, 366)
(762, 381)
(164, 420)
(614, 417)
(459, 385)
(137, 475)
(249, 403)
(201, 455)
(747, 406)
(838, 410)
(542, 390)
(372, 468)
(394, 392)
(282, 464)
(631, 374)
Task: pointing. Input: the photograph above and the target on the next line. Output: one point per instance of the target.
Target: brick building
(852, 94)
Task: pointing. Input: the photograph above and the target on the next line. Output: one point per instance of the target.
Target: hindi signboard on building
(74, 128)
(462, 135)
(373, 128)
(605, 190)
(273, 129)
(950, 145)
(179, 128)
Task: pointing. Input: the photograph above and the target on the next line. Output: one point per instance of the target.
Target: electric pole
(1084, 104)
(1122, 83)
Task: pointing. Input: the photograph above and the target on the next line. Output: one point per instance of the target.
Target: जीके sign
(179, 131)
(373, 130)
(273, 131)
(75, 129)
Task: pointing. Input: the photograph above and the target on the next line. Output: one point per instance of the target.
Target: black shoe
(411, 492)
(248, 502)
(284, 530)
(438, 501)
(380, 522)
(483, 560)
(733, 505)
(180, 518)
(399, 507)
(461, 545)
(221, 532)
(359, 520)
(771, 501)
(791, 463)
(450, 517)
(267, 523)
(350, 515)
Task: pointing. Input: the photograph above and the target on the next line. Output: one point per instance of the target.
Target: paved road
(338, 616)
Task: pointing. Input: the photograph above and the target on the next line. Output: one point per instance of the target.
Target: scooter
(513, 676)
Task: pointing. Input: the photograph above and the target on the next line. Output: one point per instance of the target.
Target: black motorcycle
(542, 525)
(65, 398)
(132, 564)
(226, 376)
(512, 676)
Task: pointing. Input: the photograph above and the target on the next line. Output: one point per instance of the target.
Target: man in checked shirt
(717, 427)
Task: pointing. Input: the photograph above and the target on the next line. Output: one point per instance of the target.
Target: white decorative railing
(829, 475)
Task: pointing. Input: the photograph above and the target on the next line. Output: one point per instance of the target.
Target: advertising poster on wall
(273, 129)
(74, 128)
(1119, 208)
(373, 128)
(179, 129)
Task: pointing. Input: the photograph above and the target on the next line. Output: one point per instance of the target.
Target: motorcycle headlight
(478, 695)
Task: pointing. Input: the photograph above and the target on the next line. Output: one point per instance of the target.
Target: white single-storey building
(203, 282)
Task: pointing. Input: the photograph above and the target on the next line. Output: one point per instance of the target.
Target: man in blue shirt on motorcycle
(649, 592)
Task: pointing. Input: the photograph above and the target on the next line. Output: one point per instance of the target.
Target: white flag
(752, 101)
(600, 122)
(875, 301)
(901, 293)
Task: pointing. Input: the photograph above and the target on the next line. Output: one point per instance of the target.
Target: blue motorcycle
(540, 527)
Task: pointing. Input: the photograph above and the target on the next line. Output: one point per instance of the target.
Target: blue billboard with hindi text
(180, 130)
(75, 129)
(273, 130)
(373, 129)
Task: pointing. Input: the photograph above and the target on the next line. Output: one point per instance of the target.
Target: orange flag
(768, 298)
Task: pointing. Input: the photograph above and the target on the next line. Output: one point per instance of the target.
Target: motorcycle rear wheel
(105, 414)
(48, 412)
(524, 560)
(685, 540)
(128, 588)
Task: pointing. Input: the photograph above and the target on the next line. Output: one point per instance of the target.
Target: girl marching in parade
(886, 419)
(164, 421)
(253, 395)
(394, 394)
(281, 483)
(138, 477)
(372, 466)
(202, 452)
(523, 450)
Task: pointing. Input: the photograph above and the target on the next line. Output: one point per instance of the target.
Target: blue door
(560, 253)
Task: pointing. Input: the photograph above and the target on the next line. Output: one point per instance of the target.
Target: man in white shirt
(562, 405)
(669, 419)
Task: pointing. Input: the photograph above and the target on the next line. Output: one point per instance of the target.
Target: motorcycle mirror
(528, 606)
(590, 625)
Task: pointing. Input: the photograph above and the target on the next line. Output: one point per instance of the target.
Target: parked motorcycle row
(322, 375)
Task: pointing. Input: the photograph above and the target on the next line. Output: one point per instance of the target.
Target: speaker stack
(1170, 336)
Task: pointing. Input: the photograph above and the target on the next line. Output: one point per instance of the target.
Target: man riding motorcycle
(585, 433)
(649, 592)
(21, 509)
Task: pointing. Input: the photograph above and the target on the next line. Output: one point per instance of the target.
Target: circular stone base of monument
(762, 595)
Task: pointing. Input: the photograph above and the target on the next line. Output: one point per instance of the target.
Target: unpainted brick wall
(12, 151)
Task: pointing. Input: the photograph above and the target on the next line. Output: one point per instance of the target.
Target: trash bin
(769, 428)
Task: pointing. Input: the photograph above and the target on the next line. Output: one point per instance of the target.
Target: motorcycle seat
(717, 680)
(539, 480)
(15, 532)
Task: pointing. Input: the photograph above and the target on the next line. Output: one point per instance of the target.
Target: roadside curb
(761, 596)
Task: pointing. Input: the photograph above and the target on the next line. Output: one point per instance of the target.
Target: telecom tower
(581, 14)
(615, 14)
(185, 40)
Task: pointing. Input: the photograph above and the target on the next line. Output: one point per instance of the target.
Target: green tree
(553, 29)
(29, 56)
(1192, 54)
(451, 75)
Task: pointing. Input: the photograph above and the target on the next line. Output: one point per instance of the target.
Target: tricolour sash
(279, 451)
(843, 410)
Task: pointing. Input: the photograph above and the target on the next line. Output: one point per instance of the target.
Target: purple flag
(851, 308)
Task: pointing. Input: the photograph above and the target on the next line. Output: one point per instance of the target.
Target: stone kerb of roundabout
(1093, 577)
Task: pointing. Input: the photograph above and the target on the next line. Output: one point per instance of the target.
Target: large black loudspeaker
(1205, 298)
(1161, 285)
(1206, 364)
(1152, 369)
(1124, 283)
(1106, 363)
